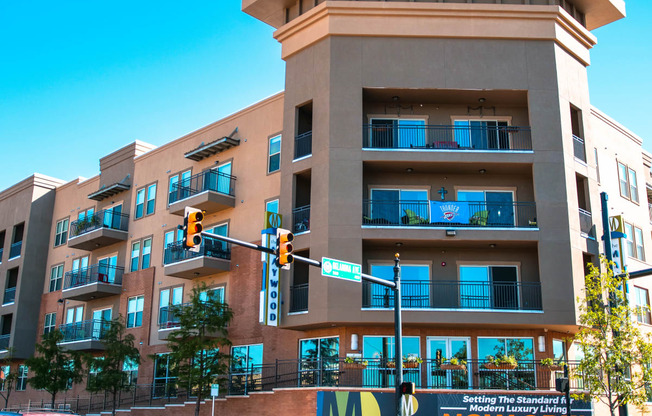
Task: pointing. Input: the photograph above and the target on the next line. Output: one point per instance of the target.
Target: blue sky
(79, 79)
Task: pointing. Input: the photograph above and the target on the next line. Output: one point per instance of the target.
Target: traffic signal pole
(394, 285)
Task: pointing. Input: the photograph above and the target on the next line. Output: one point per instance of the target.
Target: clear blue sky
(79, 79)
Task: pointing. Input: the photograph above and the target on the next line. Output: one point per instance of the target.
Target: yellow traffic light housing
(284, 248)
(192, 228)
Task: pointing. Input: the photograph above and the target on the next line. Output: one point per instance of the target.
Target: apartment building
(457, 133)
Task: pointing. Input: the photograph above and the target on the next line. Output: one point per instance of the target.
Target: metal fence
(301, 219)
(416, 294)
(210, 180)
(98, 273)
(379, 373)
(10, 295)
(579, 149)
(210, 247)
(100, 219)
(479, 214)
(15, 249)
(93, 329)
(303, 145)
(299, 298)
(442, 137)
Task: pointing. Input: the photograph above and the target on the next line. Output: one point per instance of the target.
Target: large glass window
(107, 268)
(61, 232)
(398, 133)
(559, 350)
(521, 349)
(56, 276)
(246, 366)
(489, 207)
(165, 376)
(179, 186)
(440, 352)
(274, 154)
(481, 134)
(130, 368)
(167, 298)
(5, 370)
(642, 305)
(628, 182)
(135, 307)
(415, 286)
(635, 248)
(50, 322)
(380, 351)
(319, 361)
(399, 206)
(21, 382)
(489, 287)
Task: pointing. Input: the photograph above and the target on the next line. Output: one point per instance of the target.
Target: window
(489, 287)
(398, 206)
(50, 322)
(489, 207)
(480, 134)
(642, 305)
(167, 298)
(148, 193)
(135, 311)
(415, 286)
(521, 349)
(74, 314)
(135, 256)
(635, 248)
(246, 359)
(56, 276)
(628, 183)
(597, 164)
(61, 232)
(94, 370)
(274, 154)
(141, 257)
(179, 187)
(5, 371)
(382, 350)
(272, 206)
(147, 253)
(559, 350)
(107, 268)
(319, 360)
(130, 368)
(21, 382)
(172, 237)
(165, 376)
(397, 133)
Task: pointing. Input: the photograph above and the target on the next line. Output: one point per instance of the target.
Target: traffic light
(407, 388)
(192, 228)
(561, 385)
(284, 248)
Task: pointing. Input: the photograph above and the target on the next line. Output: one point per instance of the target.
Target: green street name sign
(340, 269)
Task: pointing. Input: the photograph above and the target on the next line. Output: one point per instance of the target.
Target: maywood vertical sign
(270, 295)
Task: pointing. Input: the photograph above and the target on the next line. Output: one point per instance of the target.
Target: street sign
(215, 390)
(340, 269)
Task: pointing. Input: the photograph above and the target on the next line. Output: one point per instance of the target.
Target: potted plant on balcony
(355, 363)
(502, 362)
(550, 365)
(454, 364)
(412, 361)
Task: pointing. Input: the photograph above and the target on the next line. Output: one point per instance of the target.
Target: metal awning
(212, 148)
(108, 191)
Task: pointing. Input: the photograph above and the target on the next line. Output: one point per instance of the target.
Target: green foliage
(10, 377)
(617, 357)
(54, 367)
(197, 345)
(119, 347)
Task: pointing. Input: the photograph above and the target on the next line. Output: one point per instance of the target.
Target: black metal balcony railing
(4, 342)
(100, 219)
(528, 375)
(211, 180)
(586, 222)
(579, 149)
(433, 137)
(10, 295)
(217, 249)
(98, 273)
(299, 298)
(476, 214)
(418, 294)
(15, 249)
(166, 317)
(303, 145)
(93, 329)
(301, 219)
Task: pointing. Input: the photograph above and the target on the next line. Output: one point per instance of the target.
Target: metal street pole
(398, 333)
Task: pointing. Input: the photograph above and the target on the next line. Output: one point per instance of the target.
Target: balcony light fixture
(482, 171)
(451, 233)
(480, 108)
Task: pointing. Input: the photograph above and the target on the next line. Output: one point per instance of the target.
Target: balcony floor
(197, 267)
(91, 291)
(208, 201)
(97, 238)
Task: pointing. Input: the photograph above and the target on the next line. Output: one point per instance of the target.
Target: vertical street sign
(270, 305)
(617, 229)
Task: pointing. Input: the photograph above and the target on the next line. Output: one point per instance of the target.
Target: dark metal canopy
(212, 148)
(108, 191)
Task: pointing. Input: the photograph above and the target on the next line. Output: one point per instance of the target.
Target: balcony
(303, 145)
(98, 230)
(84, 335)
(579, 149)
(299, 298)
(10, 296)
(487, 296)
(449, 214)
(214, 256)
(211, 191)
(15, 249)
(93, 282)
(447, 138)
(373, 372)
(301, 219)
(586, 223)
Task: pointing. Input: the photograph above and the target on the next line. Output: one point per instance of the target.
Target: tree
(54, 367)
(109, 367)
(8, 377)
(198, 342)
(616, 366)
